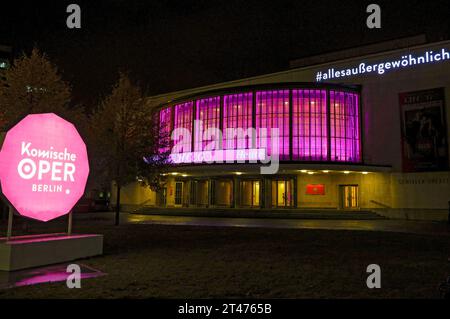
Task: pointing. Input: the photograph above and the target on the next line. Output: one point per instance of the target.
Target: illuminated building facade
(314, 124)
(362, 129)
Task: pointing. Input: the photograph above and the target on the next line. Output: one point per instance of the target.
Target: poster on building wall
(424, 133)
(315, 189)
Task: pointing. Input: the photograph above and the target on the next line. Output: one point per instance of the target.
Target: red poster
(315, 189)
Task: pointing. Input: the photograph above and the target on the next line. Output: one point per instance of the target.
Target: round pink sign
(43, 166)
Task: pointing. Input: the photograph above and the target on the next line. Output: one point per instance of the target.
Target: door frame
(240, 189)
(287, 180)
(213, 191)
(181, 195)
(341, 196)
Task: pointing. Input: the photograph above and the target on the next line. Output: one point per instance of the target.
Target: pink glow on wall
(43, 166)
(309, 131)
(272, 111)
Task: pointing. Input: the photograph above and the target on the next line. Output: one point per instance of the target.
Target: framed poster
(424, 130)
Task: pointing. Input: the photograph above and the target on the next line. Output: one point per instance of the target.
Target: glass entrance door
(349, 196)
(255, 193)
(282, 193)
(250, 192)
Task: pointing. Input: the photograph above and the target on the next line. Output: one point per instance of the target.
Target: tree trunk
(118, 205)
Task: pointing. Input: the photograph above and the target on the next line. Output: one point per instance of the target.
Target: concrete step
(262, 213)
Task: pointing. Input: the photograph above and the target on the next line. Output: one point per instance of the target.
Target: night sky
(172, 45)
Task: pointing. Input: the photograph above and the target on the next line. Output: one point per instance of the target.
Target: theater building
(356, 130)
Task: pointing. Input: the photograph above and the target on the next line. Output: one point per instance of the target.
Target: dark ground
(167, 261)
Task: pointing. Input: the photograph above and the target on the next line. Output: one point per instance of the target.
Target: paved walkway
(402, 226)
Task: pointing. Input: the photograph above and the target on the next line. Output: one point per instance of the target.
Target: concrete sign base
(39, 250)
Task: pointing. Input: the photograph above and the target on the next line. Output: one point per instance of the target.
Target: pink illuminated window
(165, 127)
(183, 119)
(208, 112)
(344, 127)
(309, 120)
(272, 111)
(325, 123)
(237, 114)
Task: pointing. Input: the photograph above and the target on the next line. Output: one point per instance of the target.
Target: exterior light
(365, 173)
(184, 175)
(174, 173)
(238, 173)
(310, 173)
(325, 171)
(346, 172)
(304, 171)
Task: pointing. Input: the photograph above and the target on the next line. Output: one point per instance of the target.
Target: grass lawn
(157, 261)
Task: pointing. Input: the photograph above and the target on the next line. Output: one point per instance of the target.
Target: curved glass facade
(304, 124)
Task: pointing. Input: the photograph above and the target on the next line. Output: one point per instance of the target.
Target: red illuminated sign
(315, 189)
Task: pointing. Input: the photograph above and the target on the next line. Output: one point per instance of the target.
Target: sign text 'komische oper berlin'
(43, 166)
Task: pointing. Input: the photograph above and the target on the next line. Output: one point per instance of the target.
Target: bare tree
(126, 140)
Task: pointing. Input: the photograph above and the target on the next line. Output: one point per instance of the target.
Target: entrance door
(222, 192)
(178, 193)
(203, 193)
(255, 193)
(349, 196)
(250, 191)
(199, 193)
(282, 193)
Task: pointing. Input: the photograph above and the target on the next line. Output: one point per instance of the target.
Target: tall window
(165, 127)
(178, 193)
(272, 111)
(344, 127)
(309, 129)
(183, 119)
(207, 117)
(237, 114)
